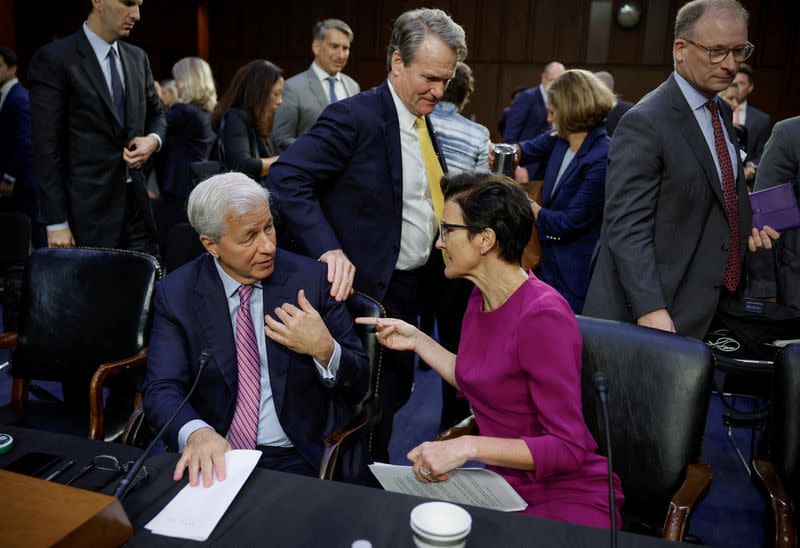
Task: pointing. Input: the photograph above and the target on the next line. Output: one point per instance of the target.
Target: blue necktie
(116, 87)
(331, 91)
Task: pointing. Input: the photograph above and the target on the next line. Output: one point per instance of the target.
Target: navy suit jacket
(571, 217)
(189, 139)
(191, 315)
(527, 119)
(340, 186)
(757, 124)
(16, 151)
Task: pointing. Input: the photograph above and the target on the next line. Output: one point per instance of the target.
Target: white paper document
(195, 511)
(475, 486)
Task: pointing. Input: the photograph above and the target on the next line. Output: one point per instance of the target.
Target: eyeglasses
(109, 463)
(718, 55)
(444, 228)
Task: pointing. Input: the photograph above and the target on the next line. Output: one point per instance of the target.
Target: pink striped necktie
(243, 432)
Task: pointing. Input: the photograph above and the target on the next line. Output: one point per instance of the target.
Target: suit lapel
(391, 135)
(586, 145)
(315, 87)
(559, 151)
(93, 71)
(275, 293)
(687, 124)
(213, 315)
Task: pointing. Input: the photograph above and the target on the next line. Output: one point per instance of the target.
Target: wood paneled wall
(510, 41)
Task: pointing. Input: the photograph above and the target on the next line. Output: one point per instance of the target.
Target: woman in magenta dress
(518, 363)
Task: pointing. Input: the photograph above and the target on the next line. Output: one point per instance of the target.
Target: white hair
(217, 196)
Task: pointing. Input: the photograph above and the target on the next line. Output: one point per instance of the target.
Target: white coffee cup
(440, 525)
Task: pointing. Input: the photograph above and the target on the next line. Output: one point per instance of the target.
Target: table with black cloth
(279, 509)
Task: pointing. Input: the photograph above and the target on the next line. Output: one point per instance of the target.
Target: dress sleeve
(549, 346)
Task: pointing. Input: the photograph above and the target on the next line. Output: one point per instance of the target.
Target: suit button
(396, 248)
(724, 248)
(382, 285)
(347, 384)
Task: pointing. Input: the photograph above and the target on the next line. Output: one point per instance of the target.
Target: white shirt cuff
(188, 429)
(59, 226)
(157, 139)
(328, 375)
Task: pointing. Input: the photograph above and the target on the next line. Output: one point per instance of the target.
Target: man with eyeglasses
(677, 219)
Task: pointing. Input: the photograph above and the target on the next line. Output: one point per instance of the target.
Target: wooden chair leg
(19, 393)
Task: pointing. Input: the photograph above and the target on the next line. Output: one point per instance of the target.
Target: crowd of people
(644, 218)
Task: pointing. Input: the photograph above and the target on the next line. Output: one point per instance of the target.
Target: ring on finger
(424, 472)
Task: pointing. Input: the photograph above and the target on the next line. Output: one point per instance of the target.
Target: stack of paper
(195, 511)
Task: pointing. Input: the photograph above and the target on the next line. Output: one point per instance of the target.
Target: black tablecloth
(278, 509)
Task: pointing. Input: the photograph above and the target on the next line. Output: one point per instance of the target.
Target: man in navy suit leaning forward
(283, 353)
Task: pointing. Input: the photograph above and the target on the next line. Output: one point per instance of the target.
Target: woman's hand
(433, 460)
(392, 333)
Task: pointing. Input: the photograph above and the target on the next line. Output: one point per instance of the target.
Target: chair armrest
(331, 445)
(698, 478)
(132, 435)
(8, 339)
(104, 371)
(467, 427)
(785, 527)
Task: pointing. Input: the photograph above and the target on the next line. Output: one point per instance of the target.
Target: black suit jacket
(191, 315)
(757, 124)
(616, 114)
(15, 152)
(78, 140)
(189, 139)
(665, 235)
(240, 146)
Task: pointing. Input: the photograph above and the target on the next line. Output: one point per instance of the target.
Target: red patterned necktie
(733, 268)
(243, 432)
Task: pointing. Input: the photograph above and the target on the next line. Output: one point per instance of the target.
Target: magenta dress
(519, 366)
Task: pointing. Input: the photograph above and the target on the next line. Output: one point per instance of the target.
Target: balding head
(606, 78)
(551, 72)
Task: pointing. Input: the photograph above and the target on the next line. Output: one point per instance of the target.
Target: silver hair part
(221, 195)
(411, 28)
(690, 14)
(322, 28)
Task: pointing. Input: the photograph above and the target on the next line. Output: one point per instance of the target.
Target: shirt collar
(100, 46)
(404, 116)
(543, 91)
(322, 75)
(692, 95)
(743, 106)
(5, 88)
(231, 286)
(446, 107)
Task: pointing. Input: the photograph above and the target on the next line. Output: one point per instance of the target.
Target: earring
(483, 252)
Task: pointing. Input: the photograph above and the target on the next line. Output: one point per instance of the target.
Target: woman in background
(244, 116)
(518, 362)
(571, 214)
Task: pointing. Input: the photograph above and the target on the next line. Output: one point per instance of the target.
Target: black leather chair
(780, 474)
(85, 318)
(16, 231)
(659, 390)
(343, 445)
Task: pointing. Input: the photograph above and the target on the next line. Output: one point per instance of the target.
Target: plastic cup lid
(440, 519)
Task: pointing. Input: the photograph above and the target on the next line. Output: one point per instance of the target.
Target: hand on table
(204, 453)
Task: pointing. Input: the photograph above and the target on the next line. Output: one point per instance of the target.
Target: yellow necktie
(432, 167)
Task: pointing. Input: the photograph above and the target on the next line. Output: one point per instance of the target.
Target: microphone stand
(601, 387)
(125, 483)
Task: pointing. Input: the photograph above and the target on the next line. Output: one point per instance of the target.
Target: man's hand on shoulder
(341, 273)
(204, 453)
(657, 319)
(301, 330)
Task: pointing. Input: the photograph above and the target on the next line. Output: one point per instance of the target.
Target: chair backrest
(16, 231)
(659, 390)
(80, 308)
(359, 304)
(182, 245)
(785, 438)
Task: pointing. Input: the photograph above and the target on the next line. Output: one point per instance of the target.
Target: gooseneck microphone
(601, 387)
(125, 483)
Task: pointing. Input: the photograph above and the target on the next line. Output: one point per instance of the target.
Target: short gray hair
(411, 28)
(322, 28)
(220, 195)
(690, 14)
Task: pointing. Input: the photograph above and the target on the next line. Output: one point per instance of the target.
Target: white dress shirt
(338, 86)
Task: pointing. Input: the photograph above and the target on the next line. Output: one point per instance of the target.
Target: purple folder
(775, 207)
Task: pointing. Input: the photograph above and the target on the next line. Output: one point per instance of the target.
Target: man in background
(306, 95)
(755, 121)
(620, 106)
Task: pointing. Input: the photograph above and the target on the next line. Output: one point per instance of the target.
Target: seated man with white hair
(282, 353)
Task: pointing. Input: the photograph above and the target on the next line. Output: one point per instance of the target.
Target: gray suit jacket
(780, 164)
(665, 236)
(304, 99)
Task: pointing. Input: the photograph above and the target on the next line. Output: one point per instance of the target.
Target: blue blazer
(340, 186)
(527, 119)
(570, 219)
(16, 152)
(191, 315)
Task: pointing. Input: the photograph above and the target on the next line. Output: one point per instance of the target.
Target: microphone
(601, 387)
(125, 483)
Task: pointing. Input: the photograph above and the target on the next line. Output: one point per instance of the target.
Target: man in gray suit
(306, 95)
(677, 216)
(780, 164)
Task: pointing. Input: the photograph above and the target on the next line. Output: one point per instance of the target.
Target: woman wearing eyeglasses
(518, 363)
(576, 154)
